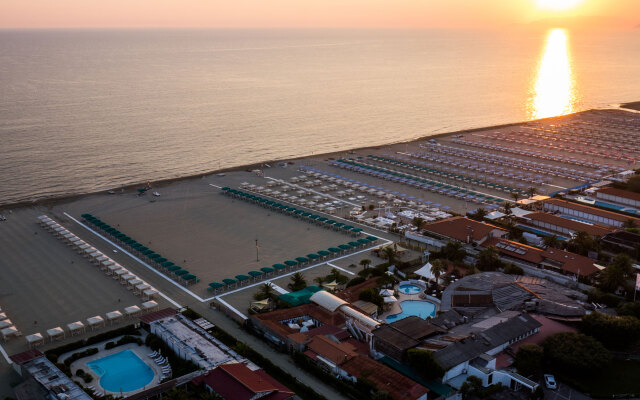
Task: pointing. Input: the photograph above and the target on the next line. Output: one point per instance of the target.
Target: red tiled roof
(327, 348)
(591, 210)
(620, 193)
(26, 356)
(156, 315)
(384, 378)
(237, 382)
(570, 262)
(459, 228)
(272, 319)
(577, 226)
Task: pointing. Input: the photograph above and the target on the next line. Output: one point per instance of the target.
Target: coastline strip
(141, 262)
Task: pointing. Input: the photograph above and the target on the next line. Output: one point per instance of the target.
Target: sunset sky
(305, 13)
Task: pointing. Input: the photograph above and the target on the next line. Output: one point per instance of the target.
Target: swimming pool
(123, 371)
(543, 233)
(419, 308)
(410, 289)
(617, 207)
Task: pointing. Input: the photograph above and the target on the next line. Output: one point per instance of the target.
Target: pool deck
(140, 351)
(396, 308)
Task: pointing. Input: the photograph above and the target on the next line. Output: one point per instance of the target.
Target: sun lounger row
(445, 174)
(418, 182)
(433, 150)
(154, 259)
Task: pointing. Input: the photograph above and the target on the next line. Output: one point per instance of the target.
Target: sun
(558, 4)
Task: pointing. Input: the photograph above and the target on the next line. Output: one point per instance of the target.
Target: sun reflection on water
(553, 90)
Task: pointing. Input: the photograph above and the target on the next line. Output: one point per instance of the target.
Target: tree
(617, 273)
(532, 191)
(355, 281)
(529, 359)
(632, 309)
(453, 251)
(513, 269)
(319, 280)
(629, 223)
(437, 268)
(417, 222)
(297, 282)
(266, 291)
(479, 214)
(582, 243)
(575, 353)
(471, 386)
(371, 295)
(489, 260)
(425, 364)
(365, 263)
(515, 196)
(613, 331)
(507, 208)
(390, 254)
(551, 241)
(335, 275)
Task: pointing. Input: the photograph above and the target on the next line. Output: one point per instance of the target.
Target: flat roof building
(464, 230)
(619, 196)
(590, 214)
(563, 226)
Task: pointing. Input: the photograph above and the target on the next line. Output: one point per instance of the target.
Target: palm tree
(297, 282)
(319, 280)
(480, 214)
(365, 262)
(266, 292)
(515, 196)
(437, 268)
(532, 191)
(390, 254)
(417, 221)
(507, 208)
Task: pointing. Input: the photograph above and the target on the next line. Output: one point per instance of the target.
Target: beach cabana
(5, 323)
(255, 274)
(190, 278)
(173, 268)
(35, 340)
(279, 267)
(302, 260)
(334, 249)
(215, 286)
(9, 332)
(149, 305)
(229, 281)
(132, 311)
(267, 270)
(344, 246)
(241, 278)
(291, 263)
(181, 272)
(95, 322)
(149, 293)
(113, 316)
(56, 333)
(313, 256)
(76, 328)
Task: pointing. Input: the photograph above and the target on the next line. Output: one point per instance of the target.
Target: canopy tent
(390, 299)
(255, 274)
(279, 267)
(149, 293)
(291, 263)
(35, 339)
(56, 333)
(149, 305)
(75, 328)
(425, 272)
(330, 286)
(132, 311)
(267, 270)
(95, 322)
(260, 305)
(386, 292)
(216, 285)
(324, 253)
(228, 281)
(300, 297)
(113, 316)
(5, 323)
(242, 278)
(8, 332)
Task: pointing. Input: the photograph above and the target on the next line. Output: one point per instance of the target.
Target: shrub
(109, 345)
(613, 331)
(513, 269)
(423, 362)
(371, 295)
(76, 356)
(87, 378)
(80, 372)
(189, 313)
(529, 359)
(355, 281)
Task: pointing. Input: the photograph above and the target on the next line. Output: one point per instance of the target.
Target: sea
(90, 110)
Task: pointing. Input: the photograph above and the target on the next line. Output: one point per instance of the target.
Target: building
(236, 381)
(553, 259)
(586, 213)
(330, 354)
(463, 230)
(622, 240)
(619, 196)
(563, 226)
(395, 339)
(475, 354)
(42, 379)
(188, 340)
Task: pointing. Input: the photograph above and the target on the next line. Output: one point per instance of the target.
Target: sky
(306, 13)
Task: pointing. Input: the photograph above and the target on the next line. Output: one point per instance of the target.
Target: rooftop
(620, 193)
(459, 228)
(591, 210)
(570, 224)
(384, 378)
(273, 320)
(334, 351)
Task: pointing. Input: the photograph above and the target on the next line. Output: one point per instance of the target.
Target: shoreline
(56, 200)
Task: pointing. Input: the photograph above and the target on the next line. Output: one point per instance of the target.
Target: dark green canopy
(173, 268)
(323, 253)
(291, 263)
(302, 259)
(354, 244)
(229, 281)
(181, 272)
(279, 266)
(363, 241)
(241, 277)
(216, 285)
(161, 260)
(189, 277)
(345, 246)
(372, 238)
(312, 256)
(334, 249)
(266, 270)
(167, 264)
(254, 273)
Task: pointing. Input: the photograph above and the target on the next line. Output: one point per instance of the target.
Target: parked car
(550, 381)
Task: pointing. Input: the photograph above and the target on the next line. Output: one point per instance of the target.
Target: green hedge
(53, 354)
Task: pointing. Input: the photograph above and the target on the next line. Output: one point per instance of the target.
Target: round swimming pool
(122, 372)
(419, 308)
(410, 289)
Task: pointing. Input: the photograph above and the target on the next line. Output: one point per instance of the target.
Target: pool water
(410, 289)
(123, 371)
(617, 207)
(419, 308)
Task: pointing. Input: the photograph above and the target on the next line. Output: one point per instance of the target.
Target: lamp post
(257, 258)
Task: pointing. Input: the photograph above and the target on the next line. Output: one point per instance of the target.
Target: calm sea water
(86, 110)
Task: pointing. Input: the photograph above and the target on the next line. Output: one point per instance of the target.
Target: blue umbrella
(437, 205)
